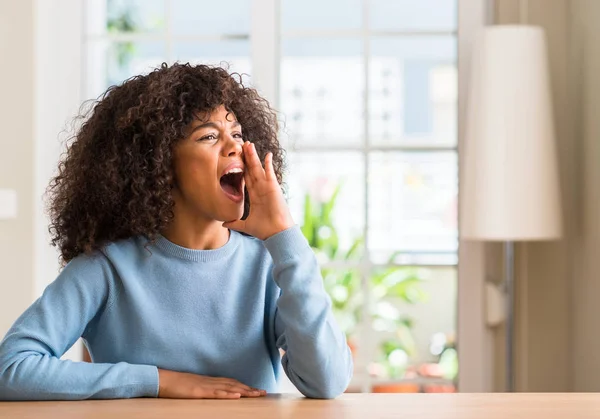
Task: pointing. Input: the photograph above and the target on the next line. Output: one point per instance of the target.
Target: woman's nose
(232, 147)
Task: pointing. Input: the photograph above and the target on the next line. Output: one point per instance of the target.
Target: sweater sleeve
(30, 364)
(317, 359)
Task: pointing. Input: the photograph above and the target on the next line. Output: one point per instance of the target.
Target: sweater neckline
(199, 255)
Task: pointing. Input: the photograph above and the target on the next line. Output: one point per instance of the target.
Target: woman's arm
(317, 358)
(30, 364)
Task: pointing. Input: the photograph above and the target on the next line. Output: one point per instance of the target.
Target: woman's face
(209, 166)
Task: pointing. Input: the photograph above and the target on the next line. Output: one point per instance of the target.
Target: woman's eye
(208, 137)
(238, 135)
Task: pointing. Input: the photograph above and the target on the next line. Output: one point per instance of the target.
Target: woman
(169, 298)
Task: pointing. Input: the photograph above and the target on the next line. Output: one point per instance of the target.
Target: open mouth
(231, 183)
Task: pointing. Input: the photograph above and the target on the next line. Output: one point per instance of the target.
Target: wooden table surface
(369, 406)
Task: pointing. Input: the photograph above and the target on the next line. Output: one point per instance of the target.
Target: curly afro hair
(115, 179)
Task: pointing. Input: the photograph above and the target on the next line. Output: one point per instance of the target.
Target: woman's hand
(269, 213)
(181, 385)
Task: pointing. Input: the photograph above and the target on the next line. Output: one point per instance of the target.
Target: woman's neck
(197, 234)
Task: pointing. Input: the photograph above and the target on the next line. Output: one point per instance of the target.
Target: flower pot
(396, 388)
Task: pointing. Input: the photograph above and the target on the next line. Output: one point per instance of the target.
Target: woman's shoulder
(91, 271)
(84, 262)
(100, 260)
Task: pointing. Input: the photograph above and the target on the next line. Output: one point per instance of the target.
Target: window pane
(335, 224)
(413, 205)
(125, 16)
(321, 15)
(322, 85)
(413, 91)
(398, 15)
(414, 329)
(234, 55)
(110, 63)
(211, 17)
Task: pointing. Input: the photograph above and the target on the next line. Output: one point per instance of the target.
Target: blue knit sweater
(140, 307)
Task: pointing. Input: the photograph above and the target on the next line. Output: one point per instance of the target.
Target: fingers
(236, 390)
(269, 171)
(244, 392)
(253, 165)
(231, 381)
(235, 386)
(223, 394)
(248, 179)
(253, 393)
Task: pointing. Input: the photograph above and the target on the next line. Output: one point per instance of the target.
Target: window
(367, 91)
(128, 37)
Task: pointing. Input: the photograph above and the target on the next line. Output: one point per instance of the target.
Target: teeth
(235, 170)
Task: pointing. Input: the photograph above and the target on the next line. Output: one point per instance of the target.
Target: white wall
(57, 100)
(57, 69)
(16, 157)
(40, 46)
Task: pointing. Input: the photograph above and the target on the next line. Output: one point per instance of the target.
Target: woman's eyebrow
(210, 124)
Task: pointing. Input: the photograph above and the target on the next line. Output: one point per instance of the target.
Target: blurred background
(371, 95)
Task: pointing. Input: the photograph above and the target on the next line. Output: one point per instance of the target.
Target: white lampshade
(510, 183)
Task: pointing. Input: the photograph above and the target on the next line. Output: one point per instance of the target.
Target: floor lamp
(510, 185)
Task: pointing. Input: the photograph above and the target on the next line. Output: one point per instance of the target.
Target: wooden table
(363, 406)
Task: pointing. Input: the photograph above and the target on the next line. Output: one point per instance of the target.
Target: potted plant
(389, 286)
(342, 284)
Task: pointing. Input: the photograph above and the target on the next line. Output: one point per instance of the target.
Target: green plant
(342, 285)
(444, 347)
(390, 287)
